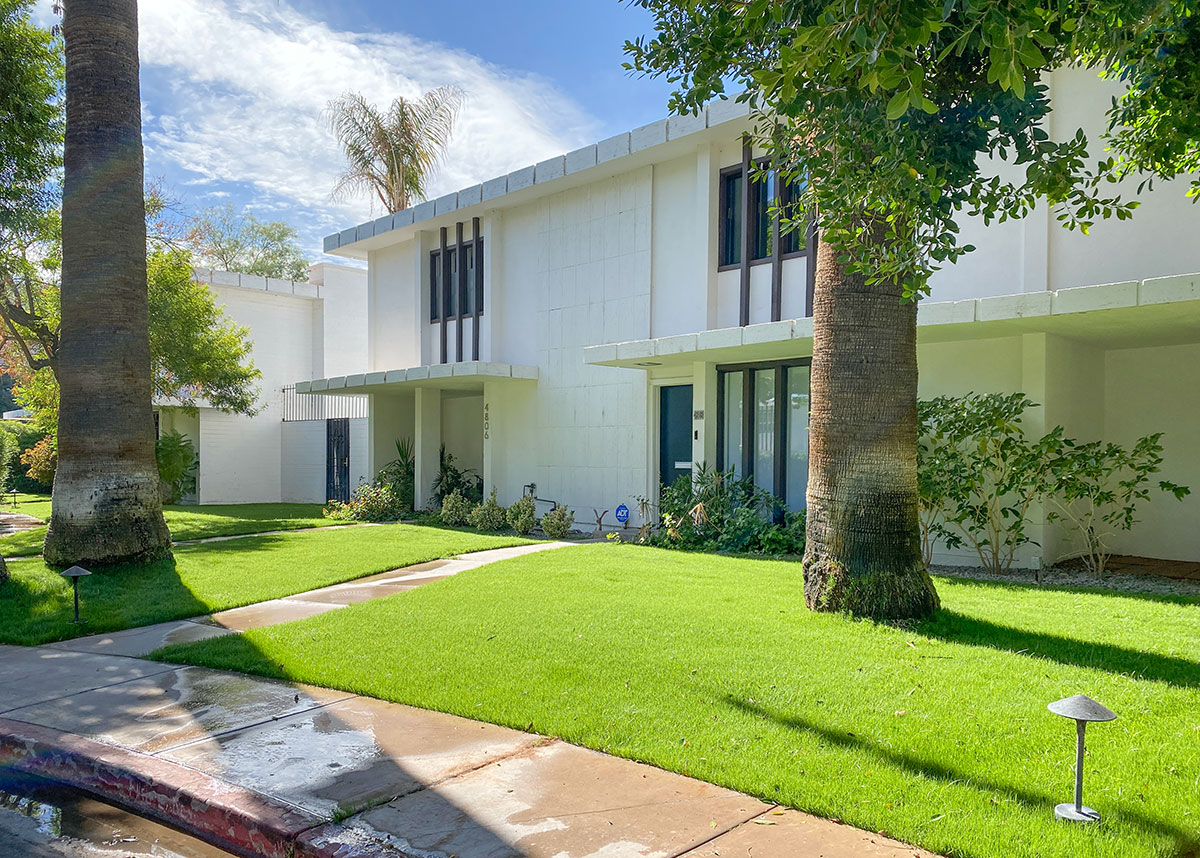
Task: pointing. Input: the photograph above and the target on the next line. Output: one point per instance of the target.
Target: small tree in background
(228, 240)
(982, 473)
(1095, 489)
(392, 154)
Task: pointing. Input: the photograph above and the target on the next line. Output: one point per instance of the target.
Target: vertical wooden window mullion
(748, 424)
(777, 252)
(460, 289)
(810, 274)
(747, 234)
(477, 286)
(444, 259)
(781, 414)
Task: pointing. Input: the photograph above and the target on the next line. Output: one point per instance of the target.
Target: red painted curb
(227, 816)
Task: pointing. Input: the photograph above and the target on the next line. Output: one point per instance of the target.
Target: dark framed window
(762, 426)
(463, 293)
(763, 208)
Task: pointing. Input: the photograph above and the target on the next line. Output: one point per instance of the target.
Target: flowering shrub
(456, 509)
(522, 516)
(369, 503)
(557, 523)
(42, 459)
(489, 515)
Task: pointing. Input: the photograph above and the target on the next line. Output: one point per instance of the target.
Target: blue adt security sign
(622, 513)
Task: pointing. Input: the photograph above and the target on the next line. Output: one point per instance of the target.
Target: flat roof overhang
(1134, 314)
(462, 376)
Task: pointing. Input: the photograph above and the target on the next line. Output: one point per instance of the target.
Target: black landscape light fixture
(1082, 709)
(73, 575)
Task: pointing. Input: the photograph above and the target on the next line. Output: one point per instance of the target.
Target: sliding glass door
(762, 426)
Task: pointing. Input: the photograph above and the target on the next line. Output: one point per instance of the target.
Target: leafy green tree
(891, 115)
(227, 240)
(31, 122)
(198, 356)
(392, 153)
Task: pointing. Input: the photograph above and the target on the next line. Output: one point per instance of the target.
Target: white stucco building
(301, 450)
(601, 321)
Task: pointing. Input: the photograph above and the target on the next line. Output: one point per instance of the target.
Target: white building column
(704, 403)
(427, 418)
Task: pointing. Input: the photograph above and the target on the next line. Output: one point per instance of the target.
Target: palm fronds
(392, 153)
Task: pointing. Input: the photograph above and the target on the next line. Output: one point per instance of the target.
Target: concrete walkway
(266, 768)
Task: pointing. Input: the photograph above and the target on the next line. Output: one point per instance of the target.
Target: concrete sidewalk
(264, 768)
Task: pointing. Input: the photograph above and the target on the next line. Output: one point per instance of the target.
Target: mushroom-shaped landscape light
(1082, 709)
(73, 575)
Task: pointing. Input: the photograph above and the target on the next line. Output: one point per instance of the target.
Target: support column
(1033, 383)
(704, 403)
(427, 418)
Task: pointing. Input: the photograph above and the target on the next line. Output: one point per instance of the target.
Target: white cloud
(249, 81)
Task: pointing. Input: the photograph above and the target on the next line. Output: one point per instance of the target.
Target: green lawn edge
(936, 734)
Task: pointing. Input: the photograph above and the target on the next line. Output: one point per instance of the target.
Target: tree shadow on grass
(954, 627)
(1185, 844)
(37, 606)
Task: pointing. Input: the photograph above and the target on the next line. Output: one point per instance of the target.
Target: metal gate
(337, 459)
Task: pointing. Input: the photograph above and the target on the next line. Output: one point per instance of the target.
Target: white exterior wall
(628, 251)
(303, 456)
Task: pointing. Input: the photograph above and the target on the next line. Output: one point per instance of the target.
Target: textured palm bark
(863, 547)
(106, 497)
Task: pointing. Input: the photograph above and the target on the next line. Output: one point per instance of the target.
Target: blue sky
(233, 91)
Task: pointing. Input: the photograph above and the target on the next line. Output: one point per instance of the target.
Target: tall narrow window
(764, 429)
(461, 297)
(731, 218)
(764, 207)
(797, 436)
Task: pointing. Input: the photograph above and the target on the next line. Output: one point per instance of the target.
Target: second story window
(462, 293)
(762, 210)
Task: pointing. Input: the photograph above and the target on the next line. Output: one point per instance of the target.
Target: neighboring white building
(300, 330)
(605, 332)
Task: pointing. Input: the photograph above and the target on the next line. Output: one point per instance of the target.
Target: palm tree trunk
(106, 505)
(863, 547)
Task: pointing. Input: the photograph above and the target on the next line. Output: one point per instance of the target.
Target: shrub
(489, 515)
(369, 503)
(177, 463)
(8, 454)
(399, 475)
(26, 436)
(522, 516)
(1095, 488)
(452, 479)
(980, 473)
(557, 523)
(42, 461)
(456, 509)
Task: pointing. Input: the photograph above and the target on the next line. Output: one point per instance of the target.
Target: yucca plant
(392, 153)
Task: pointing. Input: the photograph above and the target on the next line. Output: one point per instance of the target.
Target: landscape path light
(1082, 709)
(73, 575)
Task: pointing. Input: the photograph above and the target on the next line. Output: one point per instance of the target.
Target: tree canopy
(228, 240)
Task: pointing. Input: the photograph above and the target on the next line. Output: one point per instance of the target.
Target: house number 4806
(486, 421)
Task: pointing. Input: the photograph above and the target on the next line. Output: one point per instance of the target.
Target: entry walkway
(277, 769)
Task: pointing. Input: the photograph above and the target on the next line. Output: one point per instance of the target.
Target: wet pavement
(279, 769)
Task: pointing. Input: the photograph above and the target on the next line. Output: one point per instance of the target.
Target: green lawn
(188, 522)
(711, 666)
(35, 606)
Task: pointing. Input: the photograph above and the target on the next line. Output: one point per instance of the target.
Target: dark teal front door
(674, 432)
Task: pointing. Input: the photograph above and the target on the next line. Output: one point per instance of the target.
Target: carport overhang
(466, 376)
(1135, 314)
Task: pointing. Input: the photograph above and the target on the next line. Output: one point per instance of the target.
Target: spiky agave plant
(392, 153)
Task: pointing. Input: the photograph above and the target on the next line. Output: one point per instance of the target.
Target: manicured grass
(711, 666)
(36, 607)
(36, 505)
(190, 522)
